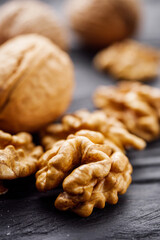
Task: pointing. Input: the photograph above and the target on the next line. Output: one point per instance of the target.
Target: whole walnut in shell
(23, 17)
(100, 23)
(36, 83)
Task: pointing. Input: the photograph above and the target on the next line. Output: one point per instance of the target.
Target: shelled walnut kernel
(129, 60)
(135, 105)
(18, 156)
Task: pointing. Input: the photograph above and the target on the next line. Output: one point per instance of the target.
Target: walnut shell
(23, 17)
(36, 83)
(100, 23)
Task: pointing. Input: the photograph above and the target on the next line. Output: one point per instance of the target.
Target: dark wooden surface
(26, 214)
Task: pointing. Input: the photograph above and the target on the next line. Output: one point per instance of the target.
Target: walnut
(100, 23)
(23, 17)
(34, 73)
(114, 131)
(82, 193)
(18, 156)
(129, 60)
(131, 104)
(93, 172)
(66, 155)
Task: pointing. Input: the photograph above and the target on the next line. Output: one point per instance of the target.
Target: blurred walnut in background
(129, 60)
(36, 83)
(100, 23)
(22, 17)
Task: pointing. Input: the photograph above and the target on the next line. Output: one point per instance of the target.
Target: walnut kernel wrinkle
(103, 190)
(147, 93)
(57, 163)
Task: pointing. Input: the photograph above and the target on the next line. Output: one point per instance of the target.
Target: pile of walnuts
(86, 152)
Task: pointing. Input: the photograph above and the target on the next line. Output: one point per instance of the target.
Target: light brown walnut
(36, 82)
(18, 156)
(66, 155)
(129, 60)
(114, 131)
(103, 22)
(81, 194)
(24, 17)
(134, 104)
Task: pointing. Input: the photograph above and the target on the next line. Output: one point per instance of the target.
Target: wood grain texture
(26, 214)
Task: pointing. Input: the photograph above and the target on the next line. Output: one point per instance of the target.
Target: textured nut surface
(18, 156)
(135, 104)
(23, 17)
(100, 23)
(113, 130)
(57, 163)
(36, 82)
(146, 92)
(129, 60)
(81, 197)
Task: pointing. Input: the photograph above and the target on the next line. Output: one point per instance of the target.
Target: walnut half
(18, 156)
(136, 105)
(92, 172)
(66, 155)
(103, 190)
(129, 60)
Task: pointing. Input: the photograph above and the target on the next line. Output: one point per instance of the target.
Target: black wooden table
(27, 214)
